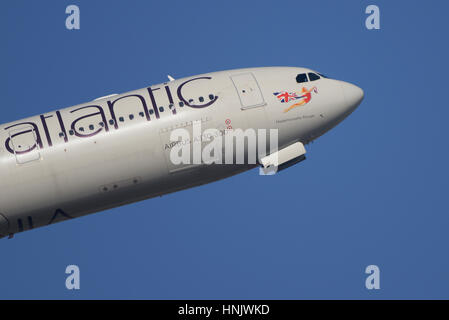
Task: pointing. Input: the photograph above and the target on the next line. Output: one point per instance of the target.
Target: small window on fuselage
(300, 78)
(313, 76)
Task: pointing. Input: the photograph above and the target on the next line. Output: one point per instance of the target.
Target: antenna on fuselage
(170, 78)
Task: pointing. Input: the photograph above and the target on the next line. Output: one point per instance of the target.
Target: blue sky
(372, 191)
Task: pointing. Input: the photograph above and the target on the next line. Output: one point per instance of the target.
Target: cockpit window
(322, 75)
(313, 76)
(301, 78)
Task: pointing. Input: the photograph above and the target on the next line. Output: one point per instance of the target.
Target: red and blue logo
(305, 96)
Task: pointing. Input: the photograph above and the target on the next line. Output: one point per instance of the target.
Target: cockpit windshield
(306, 77)
(301, 78)
(313, 76)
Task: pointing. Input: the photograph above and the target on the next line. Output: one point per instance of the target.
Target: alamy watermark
(72, 22)
(72, 282)
(193, 146)
(372, 22)
(373, 280)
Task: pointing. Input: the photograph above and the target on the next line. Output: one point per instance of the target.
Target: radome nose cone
(353, 95)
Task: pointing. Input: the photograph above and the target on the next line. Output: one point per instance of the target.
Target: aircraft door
(25, 144)
(248, 90)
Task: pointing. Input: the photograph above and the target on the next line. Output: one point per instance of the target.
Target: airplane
(117, 149)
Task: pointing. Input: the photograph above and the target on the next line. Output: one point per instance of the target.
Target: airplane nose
(353, 95)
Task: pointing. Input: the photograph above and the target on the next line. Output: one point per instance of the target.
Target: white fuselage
(116, 150)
